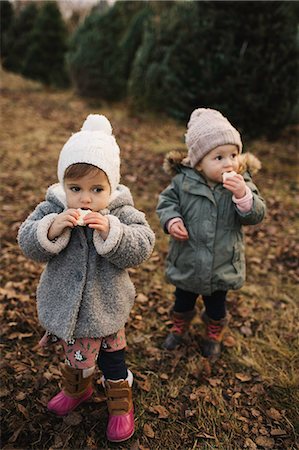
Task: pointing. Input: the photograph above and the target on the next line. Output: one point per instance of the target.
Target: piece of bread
(227, 175)
(83, 213)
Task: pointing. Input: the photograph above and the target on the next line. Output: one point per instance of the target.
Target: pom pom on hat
(95, 145)
(97, 122)
(206, 130)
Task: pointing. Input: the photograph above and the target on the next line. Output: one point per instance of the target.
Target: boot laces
(214, 331)
(178, 326)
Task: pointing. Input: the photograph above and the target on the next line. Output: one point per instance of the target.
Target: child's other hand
(236, 185)
(98, 222)
(66, 219)
(178, 231)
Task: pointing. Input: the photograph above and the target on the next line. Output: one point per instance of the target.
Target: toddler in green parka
(203, 209)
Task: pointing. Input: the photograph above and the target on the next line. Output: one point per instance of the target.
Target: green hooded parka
(213, 258)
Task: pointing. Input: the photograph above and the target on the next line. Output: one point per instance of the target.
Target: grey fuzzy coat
(85, 289)
(213, 258)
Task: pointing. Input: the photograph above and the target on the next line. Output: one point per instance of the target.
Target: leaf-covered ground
(247, 400)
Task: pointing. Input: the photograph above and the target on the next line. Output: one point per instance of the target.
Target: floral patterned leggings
(82, 353)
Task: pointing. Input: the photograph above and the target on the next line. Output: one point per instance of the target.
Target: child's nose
(85, 197)
(227, 162)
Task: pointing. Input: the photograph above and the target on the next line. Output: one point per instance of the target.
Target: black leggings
(113, 364)
(215, 304)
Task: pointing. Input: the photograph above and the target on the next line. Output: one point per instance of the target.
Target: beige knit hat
(206, 130)
(95, 145)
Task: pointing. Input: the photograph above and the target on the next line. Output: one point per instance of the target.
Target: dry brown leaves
(180, 398)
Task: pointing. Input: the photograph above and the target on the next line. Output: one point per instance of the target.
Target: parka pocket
(238, 259)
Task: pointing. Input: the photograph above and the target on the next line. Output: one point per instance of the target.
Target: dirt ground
(249, 398)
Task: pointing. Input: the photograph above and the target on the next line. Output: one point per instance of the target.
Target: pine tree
(102, 49)
(6, 17)
(18, 38)
(133, 38)
(45, 56)
(239, 57)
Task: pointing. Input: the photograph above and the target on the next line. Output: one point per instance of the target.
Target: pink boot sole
(120, 428)
(62, 404)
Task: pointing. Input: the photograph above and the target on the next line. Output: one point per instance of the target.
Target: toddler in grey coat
(210, 198)
(89, 233)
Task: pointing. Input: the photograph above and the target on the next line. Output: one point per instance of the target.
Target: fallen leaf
(246, 330)
(19, 367)
(255, 412)
(193, 396)
(241, 418)
(250, 444)
(162, 310)
(20, 396)
(243, 311)
(144, 385)
(273, 414)
(255, 260)
(47, 375)
(229, 341)
(201, 392)
(161, 411)
(214, 381)
(148, 431)
(164, 376)
(265, 442)
(245, 428)
(264, 431)
(190, 413)
(55, 371)
(23, 410)
(243, 377)
(278, 432)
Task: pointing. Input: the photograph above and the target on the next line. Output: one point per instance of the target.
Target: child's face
(219, 160)
(91, 191)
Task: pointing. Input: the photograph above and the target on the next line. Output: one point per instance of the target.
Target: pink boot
(120, 407)
(76, 389)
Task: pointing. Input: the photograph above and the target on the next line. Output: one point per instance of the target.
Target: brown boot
(76, 381)
(181, 324)
(214, 331)
(120, 407)
(77, 388)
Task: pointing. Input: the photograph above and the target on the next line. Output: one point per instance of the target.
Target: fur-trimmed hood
(176, 159)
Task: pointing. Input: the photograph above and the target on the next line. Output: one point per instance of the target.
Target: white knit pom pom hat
(206, 130)
(94, 144)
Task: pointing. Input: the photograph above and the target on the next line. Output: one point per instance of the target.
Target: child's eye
(98, 189)
(219, 158)
(234, 155)
(75, 189)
